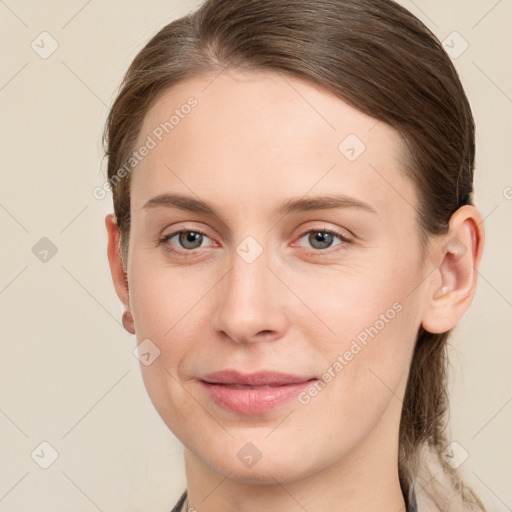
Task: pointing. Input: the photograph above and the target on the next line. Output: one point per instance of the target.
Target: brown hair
(376, 56)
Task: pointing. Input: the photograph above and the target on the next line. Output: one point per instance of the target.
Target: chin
(288, 467)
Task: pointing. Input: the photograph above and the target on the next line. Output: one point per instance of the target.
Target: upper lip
(261, 378)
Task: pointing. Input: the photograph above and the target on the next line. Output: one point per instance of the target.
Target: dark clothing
(177, 507)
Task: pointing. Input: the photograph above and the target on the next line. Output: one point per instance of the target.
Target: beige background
(67, 372)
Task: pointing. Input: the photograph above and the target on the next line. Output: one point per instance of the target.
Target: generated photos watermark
(356, 346)
(157, 135)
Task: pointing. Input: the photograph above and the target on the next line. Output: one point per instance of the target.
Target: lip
(253, 393)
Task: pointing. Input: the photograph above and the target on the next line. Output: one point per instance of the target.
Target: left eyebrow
(324, 203)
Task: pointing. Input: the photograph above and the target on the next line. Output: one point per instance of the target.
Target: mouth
(254, 393)
(241, 386)
(256, 379)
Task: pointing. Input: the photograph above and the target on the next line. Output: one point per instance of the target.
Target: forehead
(265, 135)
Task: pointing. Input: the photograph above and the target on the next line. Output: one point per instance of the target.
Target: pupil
(322, 238)
(190, 237)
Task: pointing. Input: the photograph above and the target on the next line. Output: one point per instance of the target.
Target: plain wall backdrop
(68, 375)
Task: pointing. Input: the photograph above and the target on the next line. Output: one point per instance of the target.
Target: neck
(364, 479)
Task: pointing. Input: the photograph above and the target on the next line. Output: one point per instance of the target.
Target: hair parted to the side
(381, 59)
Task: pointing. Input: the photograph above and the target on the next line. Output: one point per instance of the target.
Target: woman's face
(308, 264)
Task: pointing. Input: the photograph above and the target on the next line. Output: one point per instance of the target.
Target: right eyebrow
(182, 202)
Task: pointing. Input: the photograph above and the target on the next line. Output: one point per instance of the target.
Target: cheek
(368, 320)
(166, 306)
(365, 364)
(360, 302)
(163, 298)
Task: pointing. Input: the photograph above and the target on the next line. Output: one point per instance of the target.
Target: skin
(255, 140)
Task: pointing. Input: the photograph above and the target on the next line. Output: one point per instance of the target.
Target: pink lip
(225, 389)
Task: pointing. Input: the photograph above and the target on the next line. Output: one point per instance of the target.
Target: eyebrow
(292, 205)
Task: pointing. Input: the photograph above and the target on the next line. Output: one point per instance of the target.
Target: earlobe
(453, 283)
(128, 323)
(119, 277)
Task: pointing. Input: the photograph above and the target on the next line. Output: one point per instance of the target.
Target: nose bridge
(249, 298)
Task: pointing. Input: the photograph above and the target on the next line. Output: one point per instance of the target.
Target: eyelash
(344, 241)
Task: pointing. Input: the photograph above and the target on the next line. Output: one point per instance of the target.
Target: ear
(453, 283)
(119, 276)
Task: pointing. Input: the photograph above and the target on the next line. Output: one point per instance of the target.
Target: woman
(293, 239)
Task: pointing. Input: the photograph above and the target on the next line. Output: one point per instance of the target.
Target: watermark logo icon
(455, 45)
(44, 250)
(44, 45)
(351, 147)
(146, 352)
(44, 455)
(249, 249)
(249, 454)
(454, 454)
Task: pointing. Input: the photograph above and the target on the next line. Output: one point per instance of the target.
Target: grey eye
(189, 239)
(319, 239)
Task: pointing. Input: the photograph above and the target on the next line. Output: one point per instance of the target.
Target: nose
(251, 302)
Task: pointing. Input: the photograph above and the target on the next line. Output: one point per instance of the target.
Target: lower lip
(253, 400)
